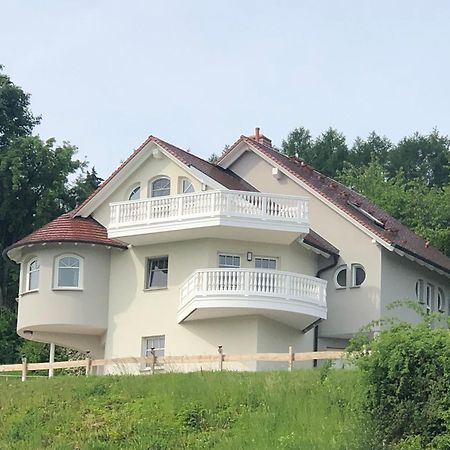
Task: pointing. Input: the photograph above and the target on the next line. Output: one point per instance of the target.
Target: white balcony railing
(244, 204)
(254, 283)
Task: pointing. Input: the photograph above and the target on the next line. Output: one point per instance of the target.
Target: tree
(417, 205)
(298, 144)
(375, 147)
(327, 153)
(84, 186)
(422, 156)
(15, 117)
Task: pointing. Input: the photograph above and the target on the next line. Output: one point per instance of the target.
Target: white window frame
(429, 297)
(336, 273)
(147, 273)
(28, 277)
(159, 352)
(267, 258)
(232, 255)
(420, 291)
(440, 300)
(353, 275)
(182, 186)
(80, 273)
(132, 191)
(152, 190)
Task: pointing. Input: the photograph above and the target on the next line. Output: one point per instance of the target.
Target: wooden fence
(153, 361)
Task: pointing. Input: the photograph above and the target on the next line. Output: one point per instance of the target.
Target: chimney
(258, 137)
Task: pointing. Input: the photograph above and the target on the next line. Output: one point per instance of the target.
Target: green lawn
(273, 410)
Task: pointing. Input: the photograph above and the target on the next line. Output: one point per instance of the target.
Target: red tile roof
(315, 240)
(390, 229)
(223, 176)
(67, 228)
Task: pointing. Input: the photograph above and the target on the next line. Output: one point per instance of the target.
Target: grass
(305, 409)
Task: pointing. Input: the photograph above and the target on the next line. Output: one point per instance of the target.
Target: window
(157, 272)
(135, 193)
(187, 186)
(33, 275)
(358, 275)
(340, 277)
(429, 297)
(69, 272)
(419, 290)
(161, 187)
(265, 263)
(157, 343)
(229, 261)
(440, 300)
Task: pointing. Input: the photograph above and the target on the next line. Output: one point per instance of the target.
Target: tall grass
(276, 410)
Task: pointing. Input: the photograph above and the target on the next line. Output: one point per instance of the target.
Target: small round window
(358, 275)
(341, 277)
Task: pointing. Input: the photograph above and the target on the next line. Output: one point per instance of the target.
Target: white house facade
(255, 253)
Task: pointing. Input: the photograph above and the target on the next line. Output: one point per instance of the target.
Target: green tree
(422, 156)
(16, 118)
(84, 186)
(298, 144)
(417, 205)
(375, 147)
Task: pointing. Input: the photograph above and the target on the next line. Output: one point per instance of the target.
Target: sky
(106, 74)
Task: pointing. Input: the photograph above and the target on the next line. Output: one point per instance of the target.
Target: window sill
(340, 288)
(67, 288)
(355, 287)
(32, 291)
(155, 289)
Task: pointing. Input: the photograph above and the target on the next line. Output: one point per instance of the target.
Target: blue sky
(106, 74)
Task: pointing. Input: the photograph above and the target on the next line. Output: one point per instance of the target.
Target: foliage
(327, 153)
(407, 375)
(417, 205)
(9, 340)
(275, 410)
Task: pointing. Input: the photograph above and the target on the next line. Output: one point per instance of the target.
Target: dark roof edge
(416, 256)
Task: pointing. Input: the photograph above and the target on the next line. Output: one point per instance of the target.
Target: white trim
(27, 277)
(421, 262)
(336, 273)
(355, 266)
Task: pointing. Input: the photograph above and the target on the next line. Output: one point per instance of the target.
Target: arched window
(69, 272)
(186, 186)
(419, 290)
(429, 297)
(441, 300)
(160, 187)
(340, 277)
(358, 275)
(33, 274)
(135, 193)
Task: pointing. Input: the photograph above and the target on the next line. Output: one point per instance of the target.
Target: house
(255, 253)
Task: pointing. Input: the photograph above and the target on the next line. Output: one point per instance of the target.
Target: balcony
(260, 217)
(290, 298)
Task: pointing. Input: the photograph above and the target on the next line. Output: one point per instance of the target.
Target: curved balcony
(293, 299)
(260, 217)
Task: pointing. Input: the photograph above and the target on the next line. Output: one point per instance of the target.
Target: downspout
(316, 328)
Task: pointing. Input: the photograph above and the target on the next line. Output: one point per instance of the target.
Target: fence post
(24, 368)
(220, 350)
(51, 360)
(291, 358)
(152, 351)
(88, 365)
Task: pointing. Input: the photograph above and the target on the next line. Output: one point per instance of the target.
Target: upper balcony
(293, 299)
(218, 214)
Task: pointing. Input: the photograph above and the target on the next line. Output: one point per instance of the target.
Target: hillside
(278, 410)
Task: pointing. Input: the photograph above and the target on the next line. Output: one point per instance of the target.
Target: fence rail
(152, 361)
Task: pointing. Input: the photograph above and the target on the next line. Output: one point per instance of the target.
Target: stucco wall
(135, 313)
(150, 169)
(350, 308)
(63, 311)
(399, 278)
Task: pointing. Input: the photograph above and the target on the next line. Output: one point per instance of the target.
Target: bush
(407, 375)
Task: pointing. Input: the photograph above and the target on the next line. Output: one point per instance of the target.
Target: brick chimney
(258, 137)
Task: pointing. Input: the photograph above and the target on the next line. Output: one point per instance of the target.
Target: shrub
(407, 375)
